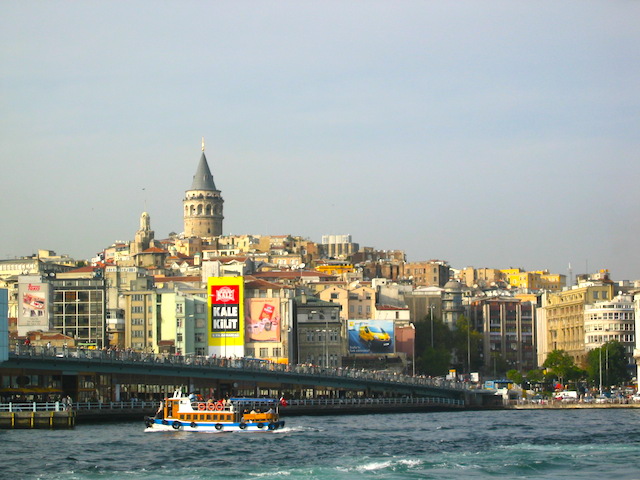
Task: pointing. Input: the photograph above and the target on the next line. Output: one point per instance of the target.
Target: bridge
(202, 369)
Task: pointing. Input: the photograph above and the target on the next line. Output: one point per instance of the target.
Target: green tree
(433, 357)
(561, 364)
(434, 362)
(534, 376)
(466, 344)
(610, 362)
(515, 376)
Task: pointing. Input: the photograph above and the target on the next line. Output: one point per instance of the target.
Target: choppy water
(535, 444)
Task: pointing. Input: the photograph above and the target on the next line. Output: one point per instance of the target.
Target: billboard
(226, 315)
(262, 320)
(370, 336)
(33, 307)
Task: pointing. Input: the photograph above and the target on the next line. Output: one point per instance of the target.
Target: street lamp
(600, 363)
(413, 350)
(431, 307)
(326, 341)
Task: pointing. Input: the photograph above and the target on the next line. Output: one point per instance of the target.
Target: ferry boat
(181, 413)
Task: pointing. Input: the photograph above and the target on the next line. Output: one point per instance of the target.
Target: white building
(611, 320)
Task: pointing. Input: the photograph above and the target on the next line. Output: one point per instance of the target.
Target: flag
(283, 402)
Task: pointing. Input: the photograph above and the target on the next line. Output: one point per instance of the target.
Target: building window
(264, 352)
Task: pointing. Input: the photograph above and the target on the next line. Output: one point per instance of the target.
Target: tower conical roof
(203, 179)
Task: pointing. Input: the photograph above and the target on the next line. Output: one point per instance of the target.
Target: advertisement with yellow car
(370, 336)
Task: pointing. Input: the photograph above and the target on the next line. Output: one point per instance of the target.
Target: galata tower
(203, 204)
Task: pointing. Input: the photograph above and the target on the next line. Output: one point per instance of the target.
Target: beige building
(335, 293)
(362, 301)
(479, 277)
(564, 314)
(433, 273)
(141, 318)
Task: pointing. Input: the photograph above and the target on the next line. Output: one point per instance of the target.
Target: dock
(37, 420)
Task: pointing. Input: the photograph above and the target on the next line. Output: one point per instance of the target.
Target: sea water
(532, 444)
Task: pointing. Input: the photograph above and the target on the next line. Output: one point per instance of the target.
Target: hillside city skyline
(493, 134)
(203, 220)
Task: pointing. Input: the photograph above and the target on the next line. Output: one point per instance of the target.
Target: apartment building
(508, 329)
(611, 320)
(432, 273)
(564, 313)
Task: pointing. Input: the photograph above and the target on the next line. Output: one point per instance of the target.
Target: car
(567, 396)
(602, 399)
(635, 398)
(374, 336)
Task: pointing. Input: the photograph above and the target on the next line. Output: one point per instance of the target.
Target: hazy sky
(483, 133)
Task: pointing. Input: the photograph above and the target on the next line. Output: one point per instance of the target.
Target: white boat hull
(155, 425)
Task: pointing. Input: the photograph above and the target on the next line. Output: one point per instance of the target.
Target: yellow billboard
(226, 314)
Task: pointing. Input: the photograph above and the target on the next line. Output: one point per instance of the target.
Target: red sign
(225, 294)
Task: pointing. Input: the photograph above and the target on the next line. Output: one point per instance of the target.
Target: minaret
(203, 204)
(144, 236)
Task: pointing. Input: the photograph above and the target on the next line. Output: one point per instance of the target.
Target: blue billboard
(370, 336)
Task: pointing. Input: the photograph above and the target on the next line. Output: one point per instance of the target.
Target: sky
(488, 134)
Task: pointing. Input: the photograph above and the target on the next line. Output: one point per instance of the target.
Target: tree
(515, 376)
(534, 376)
(561, 364)
(434, 361)
(609, 361)
(467, 343)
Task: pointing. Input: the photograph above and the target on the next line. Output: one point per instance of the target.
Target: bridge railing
(241, 363)
(408, 401)
(146, 406)
(90, 406)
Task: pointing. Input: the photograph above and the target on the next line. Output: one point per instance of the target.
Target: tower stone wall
(203, 204)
